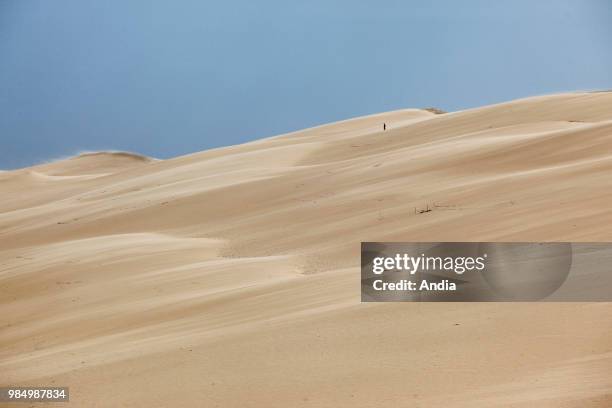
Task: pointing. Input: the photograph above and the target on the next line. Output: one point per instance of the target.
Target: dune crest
(90, 163)
(111, 153)
(230, 277)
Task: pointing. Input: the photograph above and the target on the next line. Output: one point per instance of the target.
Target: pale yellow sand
(230, 277)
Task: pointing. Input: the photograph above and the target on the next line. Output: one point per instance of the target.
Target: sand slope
(230, 277)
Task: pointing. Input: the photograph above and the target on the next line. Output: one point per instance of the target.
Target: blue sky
(165, 78)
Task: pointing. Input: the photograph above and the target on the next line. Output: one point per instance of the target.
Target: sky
(166, 78)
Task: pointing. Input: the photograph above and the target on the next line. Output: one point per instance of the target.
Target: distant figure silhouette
(384, 126)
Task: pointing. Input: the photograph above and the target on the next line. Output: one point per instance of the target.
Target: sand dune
(230, 277)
